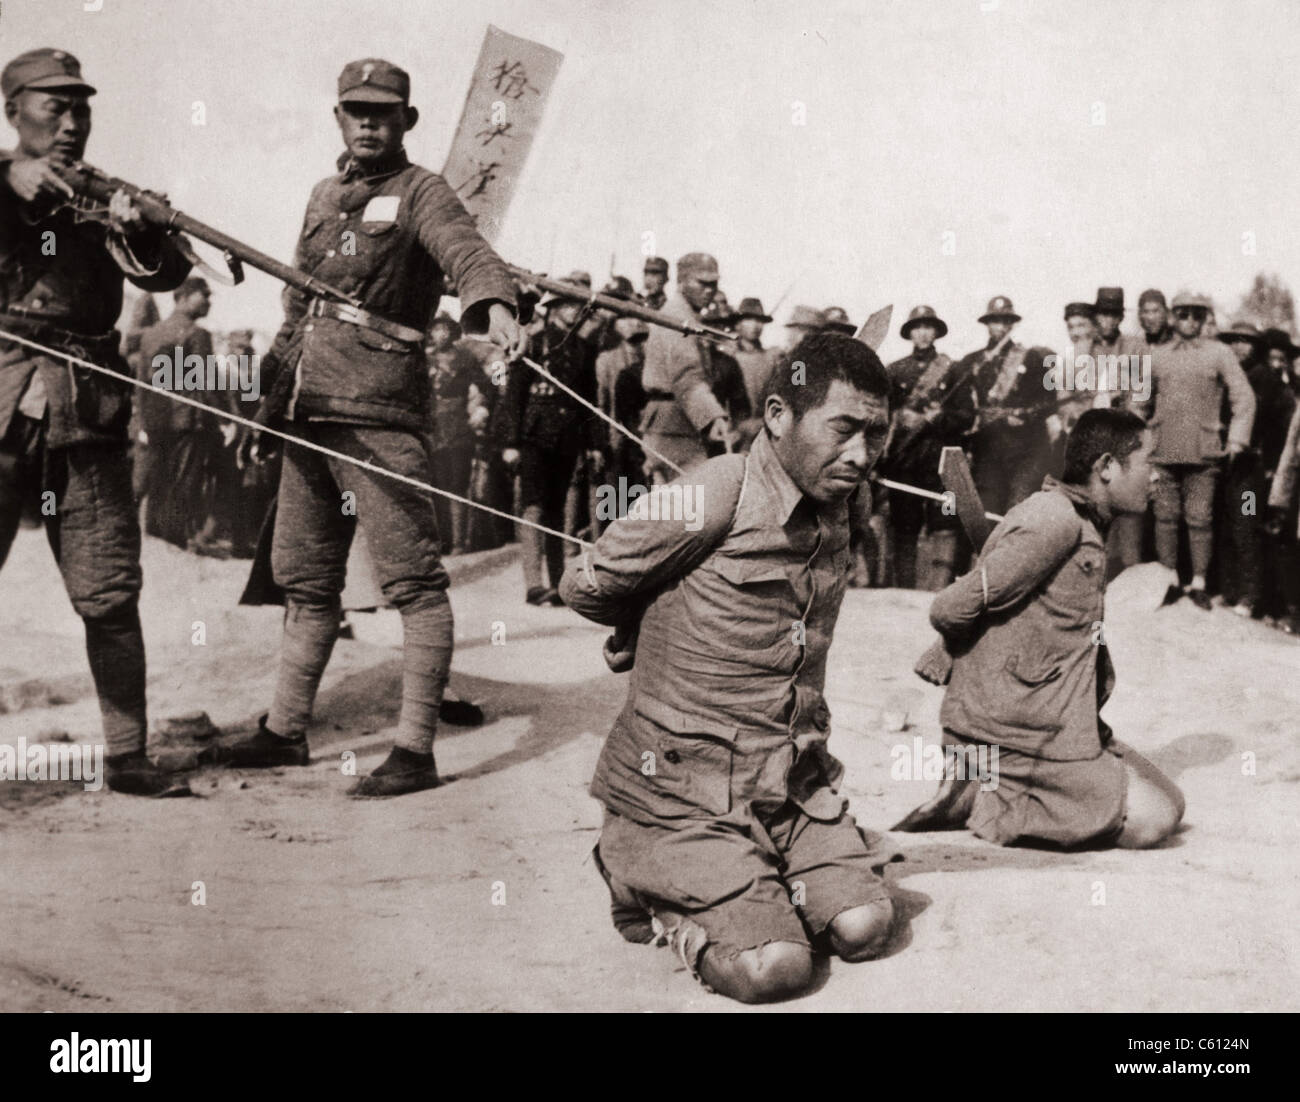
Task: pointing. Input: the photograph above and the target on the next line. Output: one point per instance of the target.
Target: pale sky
(1063, 144)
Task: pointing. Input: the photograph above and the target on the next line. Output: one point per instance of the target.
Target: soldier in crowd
(1189, 379)
(1108, 314)
(655, 280)
(543, 432)
(1108, 345)
(1081, 328)
(1010, 449)
(934, 407)
(1028, 677)
(734, 845)
(453, 372)
(185, 456)
(1247, 563)
(755, 360)
(354, 380)
(803, 321)
(257, 471)
(620, 395)
(682, 415)
(727, 380)
(490, 483)
(63, 429)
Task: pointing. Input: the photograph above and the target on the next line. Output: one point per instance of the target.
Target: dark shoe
(1200, 599)
(1172, 595)
(949, 809)
(264, 749)
(400, 773)
(539, 596)
(555, 599)
(633, 922)
(135, 775)
(460, 712)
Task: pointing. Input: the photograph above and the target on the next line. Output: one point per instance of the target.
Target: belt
(354, 315)
(660, 396)
(67, 340)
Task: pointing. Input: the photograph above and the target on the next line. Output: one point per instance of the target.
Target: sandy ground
(481, 895)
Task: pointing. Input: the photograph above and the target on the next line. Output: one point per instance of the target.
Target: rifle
(90, 183)
(93, 184)
(619, 306)
(904, 437)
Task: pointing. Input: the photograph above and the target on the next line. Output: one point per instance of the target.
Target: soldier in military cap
(1010, 447)
(63, 429)
(354, 381)
(934, 406)
(544, 433)
(682, 415)
(655, 279)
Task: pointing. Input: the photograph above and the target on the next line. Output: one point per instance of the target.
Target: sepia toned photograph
(623, 507)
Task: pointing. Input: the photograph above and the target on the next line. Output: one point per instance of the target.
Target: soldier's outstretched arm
(448, 232)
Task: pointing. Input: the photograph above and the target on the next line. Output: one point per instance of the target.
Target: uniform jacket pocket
(667, 764)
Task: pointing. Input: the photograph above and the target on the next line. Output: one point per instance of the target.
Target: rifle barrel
(100, 186)
(621, 306)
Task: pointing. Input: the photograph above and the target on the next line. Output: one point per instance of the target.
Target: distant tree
(1269, 304)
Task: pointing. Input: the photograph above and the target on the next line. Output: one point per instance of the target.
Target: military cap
(373, 80)
(44, 68)
(753, 308)
(1188, 300)
(923, 315)
(1152, 295)
(700, 264)
(656, 264)
(1079, 310)
(999, 309)
(1241, 330)
(580, 277)
(805, 317)
(1110, 300)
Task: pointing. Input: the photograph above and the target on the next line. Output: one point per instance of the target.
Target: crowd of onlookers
(1221, 403)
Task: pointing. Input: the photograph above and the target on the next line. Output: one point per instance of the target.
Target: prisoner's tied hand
(935, 665)
(620, 650)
